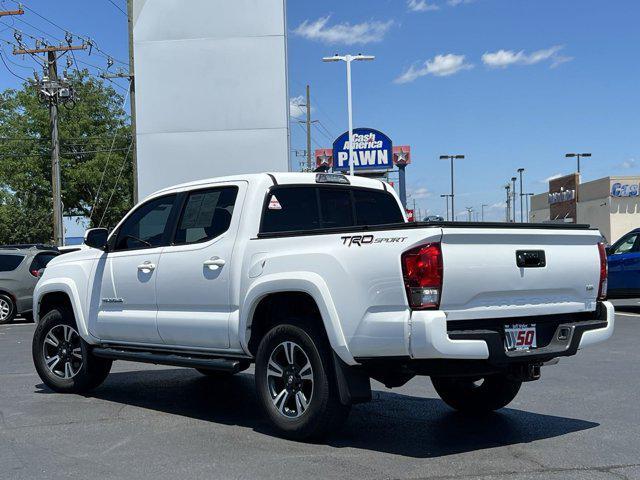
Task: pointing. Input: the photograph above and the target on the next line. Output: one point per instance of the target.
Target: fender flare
(306, 282)
(68, 287)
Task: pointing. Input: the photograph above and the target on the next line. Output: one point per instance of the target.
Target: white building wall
(596, 213)
(540, 215)
(625, 216)
(211, 89)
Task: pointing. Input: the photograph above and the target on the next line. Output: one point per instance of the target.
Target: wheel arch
(49, 294)
(306, 289)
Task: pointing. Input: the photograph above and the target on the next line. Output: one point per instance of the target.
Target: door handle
(214, 263)
(147, 266)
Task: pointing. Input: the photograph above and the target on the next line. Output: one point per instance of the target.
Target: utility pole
(308, 122)
(513, 195)
(53, 91)
(482, 210)
(308, 129)
(521, 171)
(132, 99)
(507, 187)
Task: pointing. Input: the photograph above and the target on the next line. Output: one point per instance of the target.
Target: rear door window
(290, 209)
(8, 263)
(376, 208)
(207, 214)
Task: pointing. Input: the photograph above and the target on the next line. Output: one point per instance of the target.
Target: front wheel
(296, 383)
(477, 395)
(62, 359)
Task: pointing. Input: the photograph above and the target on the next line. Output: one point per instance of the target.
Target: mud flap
(354, 384)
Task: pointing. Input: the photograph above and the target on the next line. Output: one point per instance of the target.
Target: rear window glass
(291, 209)
(42, 260)
(9, 263)
(376, 208)
(337, 208)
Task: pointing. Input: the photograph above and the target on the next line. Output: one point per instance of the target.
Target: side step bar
(173, 359)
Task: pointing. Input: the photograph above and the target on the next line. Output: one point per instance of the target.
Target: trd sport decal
(361, 240)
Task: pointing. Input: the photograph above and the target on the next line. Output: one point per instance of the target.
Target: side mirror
(96, 238)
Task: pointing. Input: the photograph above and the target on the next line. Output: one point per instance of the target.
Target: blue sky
(508, 83)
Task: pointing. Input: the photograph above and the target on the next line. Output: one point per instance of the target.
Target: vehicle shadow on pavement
(392, 423)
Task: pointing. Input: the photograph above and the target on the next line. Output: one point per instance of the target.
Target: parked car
(624, 266)
(319, 281)
(433, 218)
(20, 268)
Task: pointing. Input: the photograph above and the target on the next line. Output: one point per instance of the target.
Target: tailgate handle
(531, 258)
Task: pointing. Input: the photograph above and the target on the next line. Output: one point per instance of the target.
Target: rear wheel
(296, 383)
(62, 359)
(7, 309)
(476, 394)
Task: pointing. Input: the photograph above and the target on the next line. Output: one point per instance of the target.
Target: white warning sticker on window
(274, 204)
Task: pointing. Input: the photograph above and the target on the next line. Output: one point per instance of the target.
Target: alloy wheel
(5, 309)
(62, 351)
(290, 379)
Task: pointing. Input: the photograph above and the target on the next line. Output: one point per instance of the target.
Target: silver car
(20, 268)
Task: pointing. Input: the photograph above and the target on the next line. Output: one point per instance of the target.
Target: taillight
(35, 273)
(422, 270)
(604, 271)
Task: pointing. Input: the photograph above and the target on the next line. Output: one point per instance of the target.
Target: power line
(11, 71)
(84, 38)
(118, 7)
(115, 185)
(104, 171)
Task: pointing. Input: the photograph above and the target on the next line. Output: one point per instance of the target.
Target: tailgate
(482, 278)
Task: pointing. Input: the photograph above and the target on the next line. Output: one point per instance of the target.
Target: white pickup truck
(319, 280)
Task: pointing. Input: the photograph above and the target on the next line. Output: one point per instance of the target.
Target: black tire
(7, 309)
(86, 371)
(323, 414)
(476, 395)
(221, 373)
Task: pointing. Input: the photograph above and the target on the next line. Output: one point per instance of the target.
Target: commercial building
(612, 204)
(211, 89)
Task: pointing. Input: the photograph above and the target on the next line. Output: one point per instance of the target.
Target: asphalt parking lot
(580, 421)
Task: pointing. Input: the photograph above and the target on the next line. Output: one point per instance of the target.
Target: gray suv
(20, 268)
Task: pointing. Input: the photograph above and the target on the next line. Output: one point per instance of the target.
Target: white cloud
(421, 6)
(345, 33)
(505, 58)
(419, 193)
(631, 163)
(439, 66)
(297, 108)
(455, 3)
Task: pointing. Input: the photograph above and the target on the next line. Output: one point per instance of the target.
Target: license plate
(519, 337)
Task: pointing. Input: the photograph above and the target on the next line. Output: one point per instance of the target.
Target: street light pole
(513, 196)
(446, 199)
(348, 59)
(577, 156)
(521, 171)
(482, 210)
(452, 158)
(507, 187)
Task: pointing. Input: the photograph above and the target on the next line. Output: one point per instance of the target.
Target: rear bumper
(431, 337)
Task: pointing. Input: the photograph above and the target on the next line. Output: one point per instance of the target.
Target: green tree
(95, 160)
